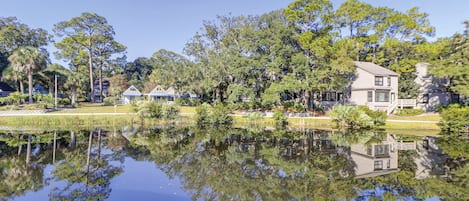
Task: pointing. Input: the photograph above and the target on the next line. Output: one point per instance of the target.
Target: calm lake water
(226, 164)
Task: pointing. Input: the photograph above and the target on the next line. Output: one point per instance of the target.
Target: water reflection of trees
(76, 157)
(85, 168)
(223, 164)
(227, 164)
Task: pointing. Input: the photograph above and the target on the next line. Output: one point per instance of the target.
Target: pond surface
(228, 164)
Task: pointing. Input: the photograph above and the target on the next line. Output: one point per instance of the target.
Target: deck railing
(406, 103)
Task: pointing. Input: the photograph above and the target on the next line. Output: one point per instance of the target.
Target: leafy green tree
(18, 77)
(14, 34)
(28, 60)
(171, 70)
(451, 62)
(88, 34)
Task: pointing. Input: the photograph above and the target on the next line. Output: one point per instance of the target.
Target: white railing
(407, 103)
(406, 145)
(392, 107)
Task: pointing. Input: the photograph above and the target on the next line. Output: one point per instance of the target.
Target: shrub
(108, 101)
(351, 116)
(455, 119)
(64, 101)
(15, 98)
(220, 114)
(379, 117)
(409, 112)
(288, 104)
(202, 113)
(44, 100)
(153, 110)
(299, 107)
(169, 111)
(217, 115)
(280, 119)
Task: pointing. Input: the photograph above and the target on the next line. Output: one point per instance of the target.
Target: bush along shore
(148, 114)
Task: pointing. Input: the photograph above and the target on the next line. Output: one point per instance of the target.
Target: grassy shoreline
(82, 120)
(96, 115)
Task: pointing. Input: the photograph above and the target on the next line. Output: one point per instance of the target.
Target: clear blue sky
(146, 26)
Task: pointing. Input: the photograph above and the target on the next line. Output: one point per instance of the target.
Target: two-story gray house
(375, 87)
(372, 85)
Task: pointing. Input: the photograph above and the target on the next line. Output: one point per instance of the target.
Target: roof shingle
(374, 69)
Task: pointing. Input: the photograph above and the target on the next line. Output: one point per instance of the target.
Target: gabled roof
(5, 87)
(159, 91)
(132, 91)
(375, 69)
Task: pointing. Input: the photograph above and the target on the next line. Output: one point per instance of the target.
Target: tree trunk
(30, 85)
(306, 98)
(101, 83)
(74, 95)
(88, 156)
(90, 63)
(21, 86)
(73, 139)
(28, 150)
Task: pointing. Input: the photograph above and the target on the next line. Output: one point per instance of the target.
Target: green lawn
(98, 108)
(422, 117)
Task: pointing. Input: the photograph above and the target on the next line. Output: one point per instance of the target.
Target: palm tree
(18, 77)
(28, 60)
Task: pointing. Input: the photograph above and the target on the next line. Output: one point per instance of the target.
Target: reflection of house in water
(375, 159)
(378, 158)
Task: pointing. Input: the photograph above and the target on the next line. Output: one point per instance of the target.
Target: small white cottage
(131, 95)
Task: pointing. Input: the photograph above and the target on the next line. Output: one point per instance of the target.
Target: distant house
(373, 86)
(131, 94)
(432, 91)
(97, 91)
(5, 89)
(160, 94)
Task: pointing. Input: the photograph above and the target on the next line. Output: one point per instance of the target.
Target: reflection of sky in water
(141, 181)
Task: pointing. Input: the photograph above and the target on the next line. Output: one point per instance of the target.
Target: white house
(131, 94)
(160, 94)
(373, 86)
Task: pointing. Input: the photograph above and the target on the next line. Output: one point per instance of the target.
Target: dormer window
(379, 81)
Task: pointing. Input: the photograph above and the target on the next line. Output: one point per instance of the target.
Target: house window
(333, 96)
(369, 150)
(381, 150)
(455, 98)
(425, 98)
(388, 165)
(329, 96)
(382, 96)
(340, 96)
(370, 96)
(389, 81)
(378, 81)
(378, 165)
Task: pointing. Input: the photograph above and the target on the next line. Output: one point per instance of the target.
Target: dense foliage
(286, 58)
(219, 114)
(455, 119)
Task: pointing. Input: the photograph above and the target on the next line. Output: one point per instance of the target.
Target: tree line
(288, 56)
